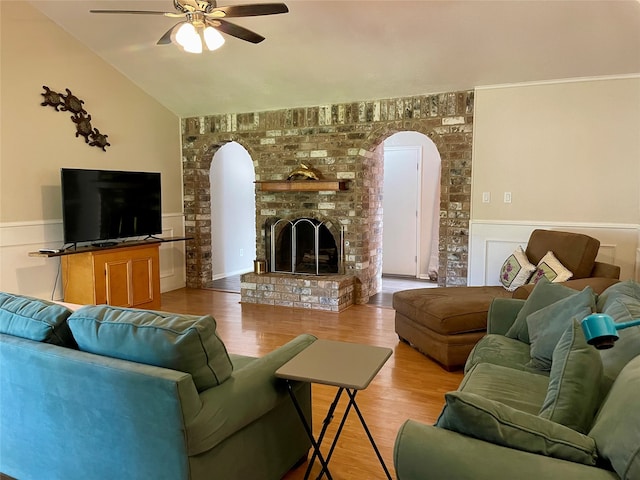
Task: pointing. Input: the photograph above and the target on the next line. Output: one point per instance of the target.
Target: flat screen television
(102, 206)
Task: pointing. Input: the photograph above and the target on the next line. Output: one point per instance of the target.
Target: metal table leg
(352, 400)
(325, 424)
(315, 444)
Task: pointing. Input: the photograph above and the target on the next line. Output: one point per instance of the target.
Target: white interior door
(400, 210)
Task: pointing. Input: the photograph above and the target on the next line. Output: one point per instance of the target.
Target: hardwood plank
(409, 385)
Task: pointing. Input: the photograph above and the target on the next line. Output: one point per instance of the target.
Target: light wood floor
(408, 386)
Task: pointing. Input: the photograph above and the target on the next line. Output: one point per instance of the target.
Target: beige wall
(36, 141)
(569, 153)
(566, 151)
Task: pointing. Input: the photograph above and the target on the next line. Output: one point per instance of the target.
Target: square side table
(348, 366)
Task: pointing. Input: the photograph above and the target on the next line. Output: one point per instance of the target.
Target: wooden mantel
(301, 185)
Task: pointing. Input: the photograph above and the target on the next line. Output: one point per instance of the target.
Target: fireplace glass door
(303, 246)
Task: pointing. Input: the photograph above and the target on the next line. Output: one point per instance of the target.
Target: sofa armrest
(502, 313)
(424, 451)
(598, 284)
(247, 395)
(66, 411)
(606, 270)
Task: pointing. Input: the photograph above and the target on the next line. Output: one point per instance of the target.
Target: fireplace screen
(304, 246)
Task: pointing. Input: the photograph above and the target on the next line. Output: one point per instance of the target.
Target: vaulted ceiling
(332, 51)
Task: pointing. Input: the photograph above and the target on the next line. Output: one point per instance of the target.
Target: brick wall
(343, 142)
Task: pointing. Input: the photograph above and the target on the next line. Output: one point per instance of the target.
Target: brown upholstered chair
(445, 323)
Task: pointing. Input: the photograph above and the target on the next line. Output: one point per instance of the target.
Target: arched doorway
(233, 232)
(411, 205)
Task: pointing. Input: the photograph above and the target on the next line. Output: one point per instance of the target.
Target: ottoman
(444, 323)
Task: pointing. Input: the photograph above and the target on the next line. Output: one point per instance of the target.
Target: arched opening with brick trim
(343, 143)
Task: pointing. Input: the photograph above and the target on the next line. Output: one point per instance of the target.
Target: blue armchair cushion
(495, 422)
(187, 343)
(573, 395)
(35, 319)
(543, 294)
(547, 325)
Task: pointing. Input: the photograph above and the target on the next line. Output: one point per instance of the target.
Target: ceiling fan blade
(140, 12)
(251, 10)
(166, 38)
(235, 30)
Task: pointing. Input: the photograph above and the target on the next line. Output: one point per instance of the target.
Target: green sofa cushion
(543, 294)
(574, 383)
(628, 288)
(499, 350)
(616, 428)
(505, 385)
(187, 343)
(622, 302)
(495, 422)
(35, 319)
(547, 325)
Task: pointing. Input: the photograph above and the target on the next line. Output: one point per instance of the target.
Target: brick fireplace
(343, 142)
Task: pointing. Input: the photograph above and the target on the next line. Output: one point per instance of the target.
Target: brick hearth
(326, 292)
(344, 142)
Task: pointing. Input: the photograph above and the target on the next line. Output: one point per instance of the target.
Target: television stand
(125, 274)
(123, 277)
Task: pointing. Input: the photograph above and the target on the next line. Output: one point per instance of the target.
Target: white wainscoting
(39, 277)
(492, 242)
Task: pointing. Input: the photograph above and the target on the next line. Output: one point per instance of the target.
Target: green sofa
(536, 401)
(112, 393)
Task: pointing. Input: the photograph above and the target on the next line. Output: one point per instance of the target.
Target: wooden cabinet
(124, 276)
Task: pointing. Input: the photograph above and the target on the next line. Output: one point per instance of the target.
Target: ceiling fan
(204, 20)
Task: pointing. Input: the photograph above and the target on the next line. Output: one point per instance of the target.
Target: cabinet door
(131, 277)
(118, 288)
(142, 275)
(123, 277)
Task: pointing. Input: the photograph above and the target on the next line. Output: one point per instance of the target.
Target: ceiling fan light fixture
(187, 37)
(213, 38)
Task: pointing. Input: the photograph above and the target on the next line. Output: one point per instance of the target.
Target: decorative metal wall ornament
(99, 140)
(83, 126)
(70, 103)
(52, 98)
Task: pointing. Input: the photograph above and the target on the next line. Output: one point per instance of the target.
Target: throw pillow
(35, 319)
(627, 288)
(516, 270)
(544, 293)
(616, 428)
(547, 325)
(622, 308)
(187, 343)
(573, 395)
(550, 267)
(495, 422)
